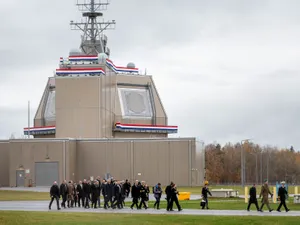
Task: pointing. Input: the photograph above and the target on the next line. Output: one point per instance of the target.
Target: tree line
(223, 164)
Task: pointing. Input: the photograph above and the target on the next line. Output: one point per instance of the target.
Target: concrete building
(98, 119)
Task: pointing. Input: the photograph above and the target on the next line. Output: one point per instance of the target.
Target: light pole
(243, 169)
(261, 169)
(269, 154)
(256, 168)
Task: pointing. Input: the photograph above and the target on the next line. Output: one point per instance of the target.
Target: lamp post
(243, 169)
(256, 166)
(269, 154)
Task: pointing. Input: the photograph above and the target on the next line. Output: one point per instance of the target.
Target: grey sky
(225, 70)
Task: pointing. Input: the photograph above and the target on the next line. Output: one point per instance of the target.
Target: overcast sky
(225, 70)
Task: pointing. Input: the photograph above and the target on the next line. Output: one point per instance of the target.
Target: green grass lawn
(44, 218)
(23, 196)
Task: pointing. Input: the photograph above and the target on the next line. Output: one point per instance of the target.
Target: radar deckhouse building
(91, 97)
(96, 118)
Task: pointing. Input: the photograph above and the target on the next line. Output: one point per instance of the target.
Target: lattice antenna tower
(93, 41)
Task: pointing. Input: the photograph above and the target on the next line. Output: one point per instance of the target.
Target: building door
(20, 178)
(46, 173)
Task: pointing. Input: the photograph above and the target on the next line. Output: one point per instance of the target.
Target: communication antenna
(93, 41)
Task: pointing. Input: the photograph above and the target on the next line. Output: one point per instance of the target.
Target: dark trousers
(135, 201)
(107, 199)
(174, 199)
(254, 201)
(168, 202)
(87, 201)
(57, 201)
(143, 203)
(64, 200)
(206, 203)
(157, 202)
(80, 198)
(94, 202)
(117, 202)
(98, 201)
(75, 200)
(282, 203)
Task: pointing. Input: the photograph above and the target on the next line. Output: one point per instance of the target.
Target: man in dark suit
(79, 190)
(253, 198)
(135, 194)
(127, 187)
(282, 193)
(63, 193)
(174, 198)
(54, 194)
(108, 193)
(86, 193)
(168, 192)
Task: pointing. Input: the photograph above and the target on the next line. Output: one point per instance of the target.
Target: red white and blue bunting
(145, 128)
(39, 130)
(118, 69)
(119, 127)
(79, 71)
(94, 59)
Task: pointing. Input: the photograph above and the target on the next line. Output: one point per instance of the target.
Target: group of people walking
(264, 193)
(87, 194)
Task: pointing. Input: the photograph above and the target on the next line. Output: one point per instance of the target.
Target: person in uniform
(282, 193)
(99, 191)
(70, 194)
(135, 194)
(253, 199)
(63, 193)
(75, 194)
(205, 192)
(264, 193)
(174, 198)
(157, 195)
(54, 194)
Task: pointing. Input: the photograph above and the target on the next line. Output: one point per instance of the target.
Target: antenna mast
(93, 41)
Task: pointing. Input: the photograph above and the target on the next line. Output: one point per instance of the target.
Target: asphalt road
(42, 206)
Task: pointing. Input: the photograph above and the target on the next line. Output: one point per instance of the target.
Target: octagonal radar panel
(135, 103)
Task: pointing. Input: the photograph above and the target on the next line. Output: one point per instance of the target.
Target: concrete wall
(4, 163)
(25, 153)
(153, 160)
(71, 157)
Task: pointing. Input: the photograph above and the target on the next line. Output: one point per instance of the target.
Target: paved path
(42, 206)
